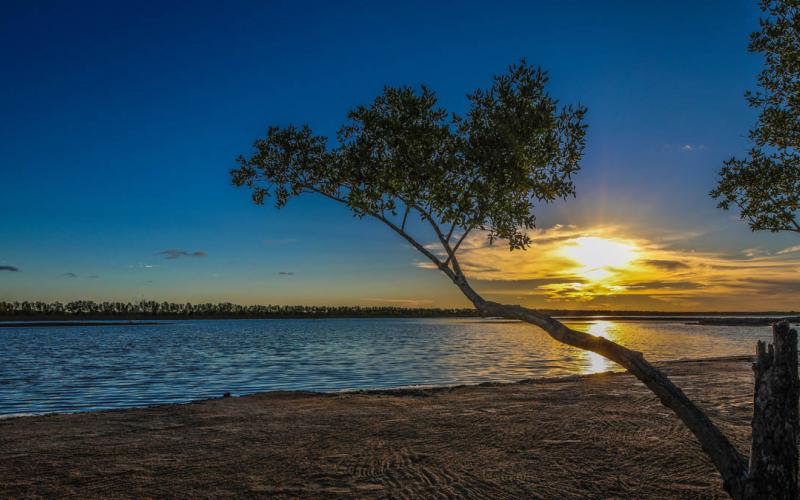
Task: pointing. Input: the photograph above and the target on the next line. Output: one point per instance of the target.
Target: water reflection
(596, 362)
(89, 368)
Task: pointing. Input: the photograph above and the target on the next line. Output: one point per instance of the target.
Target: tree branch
(416, 245)
(438, 263)
(786, 214)
(458, 244)
(436, 229)
(450, 234)
(451, 256)
(405, 216)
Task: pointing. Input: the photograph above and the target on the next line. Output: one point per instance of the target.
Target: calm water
(91, 368)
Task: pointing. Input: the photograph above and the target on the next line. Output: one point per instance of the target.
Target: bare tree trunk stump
(774, 456)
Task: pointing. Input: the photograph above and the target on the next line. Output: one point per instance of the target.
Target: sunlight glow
(598, 363)
(609, 267)
(598, 257)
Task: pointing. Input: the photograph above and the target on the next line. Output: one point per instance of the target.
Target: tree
(765, 185)
(404, 156)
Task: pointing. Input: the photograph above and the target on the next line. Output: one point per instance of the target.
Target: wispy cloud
(176, 254)
(69, 275)
(403, 302)
(685, 147)
(142, 266)
(676, 236)
(754, 252)
(285, 273)
(785, 251)
(11, 269)
(93, 276)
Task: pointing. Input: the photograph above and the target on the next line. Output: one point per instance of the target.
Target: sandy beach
(596, 436)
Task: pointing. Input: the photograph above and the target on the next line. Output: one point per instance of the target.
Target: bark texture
(774, 456)
(728, 461)
(773, 468)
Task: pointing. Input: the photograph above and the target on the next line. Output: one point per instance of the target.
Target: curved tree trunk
(773, 469)
(772, 376)
(726, 458)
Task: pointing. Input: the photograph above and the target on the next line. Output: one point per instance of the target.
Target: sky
(120, 122)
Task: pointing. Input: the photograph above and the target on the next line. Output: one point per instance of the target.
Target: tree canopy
(404, 154)
(765, 185)
(514, 149)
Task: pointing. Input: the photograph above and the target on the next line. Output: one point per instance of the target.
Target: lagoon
(87, 368)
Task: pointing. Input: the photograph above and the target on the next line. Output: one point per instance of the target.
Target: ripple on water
(105, 367)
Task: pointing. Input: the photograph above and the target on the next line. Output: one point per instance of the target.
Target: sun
(597, 258)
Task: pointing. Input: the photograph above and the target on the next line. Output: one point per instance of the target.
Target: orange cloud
(606, 267)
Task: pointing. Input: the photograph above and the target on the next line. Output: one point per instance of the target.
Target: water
(103, 367)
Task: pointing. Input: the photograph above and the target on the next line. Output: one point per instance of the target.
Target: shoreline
(599, 435)
(400, 391)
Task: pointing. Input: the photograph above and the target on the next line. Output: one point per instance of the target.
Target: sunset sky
(120, 123)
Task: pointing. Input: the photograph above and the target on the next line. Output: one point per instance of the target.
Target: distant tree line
(152, 308)
(88, 309)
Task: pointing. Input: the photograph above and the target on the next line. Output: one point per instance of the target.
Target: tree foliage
(152, 309)
(404, 154)
(765, 185)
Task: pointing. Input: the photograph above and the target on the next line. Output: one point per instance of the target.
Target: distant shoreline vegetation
(87, 309)
(146, 309)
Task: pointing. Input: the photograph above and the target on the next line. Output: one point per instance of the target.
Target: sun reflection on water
(596, 362)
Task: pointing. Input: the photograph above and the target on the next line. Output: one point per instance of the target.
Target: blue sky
(121, 121)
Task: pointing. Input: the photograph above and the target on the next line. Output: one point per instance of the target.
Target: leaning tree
(404, 157)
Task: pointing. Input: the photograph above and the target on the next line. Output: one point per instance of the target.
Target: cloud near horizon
(175, 254)
(401, 302)
(785, 251)
(10, 269)
(605, 267)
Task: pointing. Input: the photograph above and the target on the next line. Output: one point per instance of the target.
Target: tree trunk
(730, 464)
(774, 456)
(773, 468)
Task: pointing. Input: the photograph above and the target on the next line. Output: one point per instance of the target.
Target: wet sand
(581, 437)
